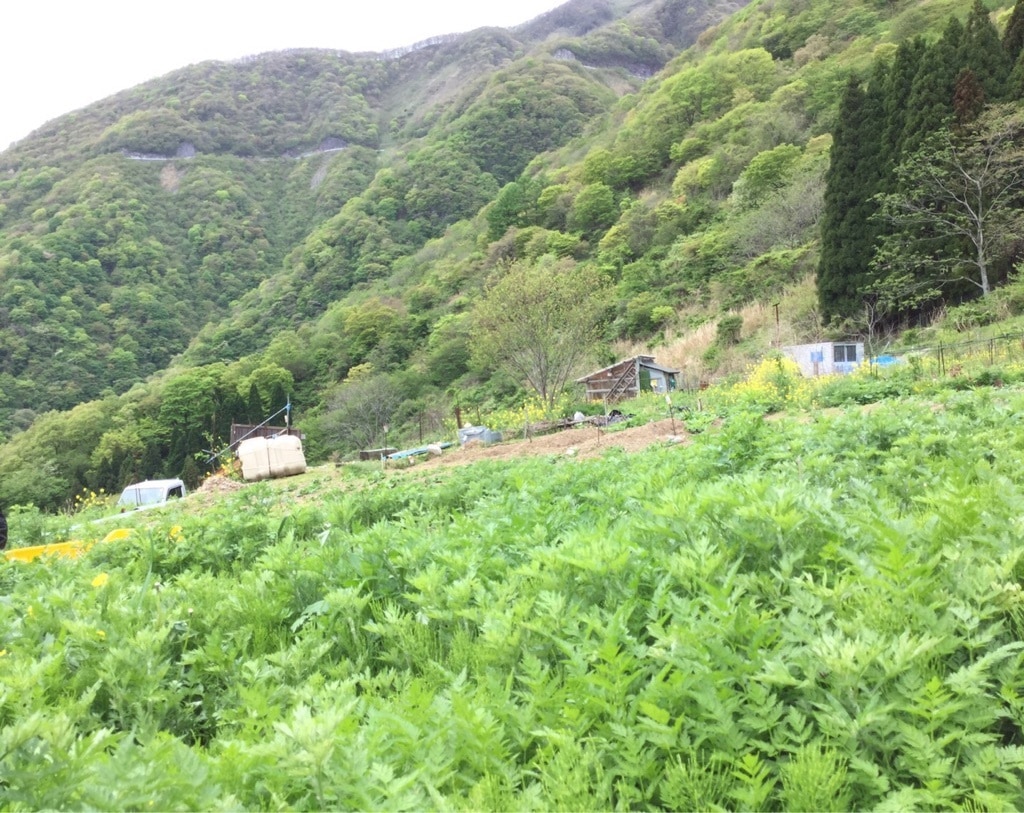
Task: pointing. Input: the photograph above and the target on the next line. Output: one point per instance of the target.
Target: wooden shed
(241, 431)
(628, 378)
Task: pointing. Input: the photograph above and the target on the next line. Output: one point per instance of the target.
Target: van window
(141, 496)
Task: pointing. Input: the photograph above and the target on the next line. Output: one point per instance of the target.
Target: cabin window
(844, 352)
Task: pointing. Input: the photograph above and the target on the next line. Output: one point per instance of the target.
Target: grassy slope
(817, 614)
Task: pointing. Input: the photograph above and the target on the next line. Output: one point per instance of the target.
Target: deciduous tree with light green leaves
(541, 321)
(960, 191)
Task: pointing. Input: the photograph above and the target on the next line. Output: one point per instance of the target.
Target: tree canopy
(540, 321)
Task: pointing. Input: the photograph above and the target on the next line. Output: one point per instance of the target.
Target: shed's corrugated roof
(644, 361)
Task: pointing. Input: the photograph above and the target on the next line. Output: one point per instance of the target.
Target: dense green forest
(327, 228)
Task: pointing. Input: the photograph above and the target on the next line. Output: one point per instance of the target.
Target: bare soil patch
(580, 441)
(585, 441)
(215, 486)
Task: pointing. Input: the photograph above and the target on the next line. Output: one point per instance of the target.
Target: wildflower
(100, 580)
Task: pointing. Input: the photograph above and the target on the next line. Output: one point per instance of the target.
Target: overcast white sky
(62, 55)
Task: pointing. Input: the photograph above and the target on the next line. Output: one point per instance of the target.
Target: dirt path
(581, 441)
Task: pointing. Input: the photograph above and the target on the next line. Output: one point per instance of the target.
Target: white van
(150, 492)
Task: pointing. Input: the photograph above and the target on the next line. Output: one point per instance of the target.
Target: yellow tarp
(70, 549)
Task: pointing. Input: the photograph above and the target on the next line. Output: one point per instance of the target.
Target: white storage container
(286, 457)
(263, 458)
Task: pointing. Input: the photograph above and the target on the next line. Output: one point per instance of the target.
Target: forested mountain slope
(128, 225)
(323, 224)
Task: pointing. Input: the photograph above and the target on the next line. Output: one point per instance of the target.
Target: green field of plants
(815, 612)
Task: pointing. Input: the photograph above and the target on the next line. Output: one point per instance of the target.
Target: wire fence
(949, 358)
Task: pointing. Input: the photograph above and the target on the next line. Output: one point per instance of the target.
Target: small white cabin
(826, 358)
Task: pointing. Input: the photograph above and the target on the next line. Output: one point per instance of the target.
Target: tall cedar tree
(930, 104)
(982, 53)
(1013, 37)
(1015, 84)
(896, 105)
(848, 231)
(1013, 44)
(968, 97)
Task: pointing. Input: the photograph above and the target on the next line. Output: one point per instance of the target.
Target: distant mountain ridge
(109, 123)
(335, 117)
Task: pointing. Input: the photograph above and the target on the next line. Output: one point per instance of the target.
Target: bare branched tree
(359, 411)
(956, 209)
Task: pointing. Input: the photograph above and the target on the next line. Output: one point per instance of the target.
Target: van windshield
(141, 496)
